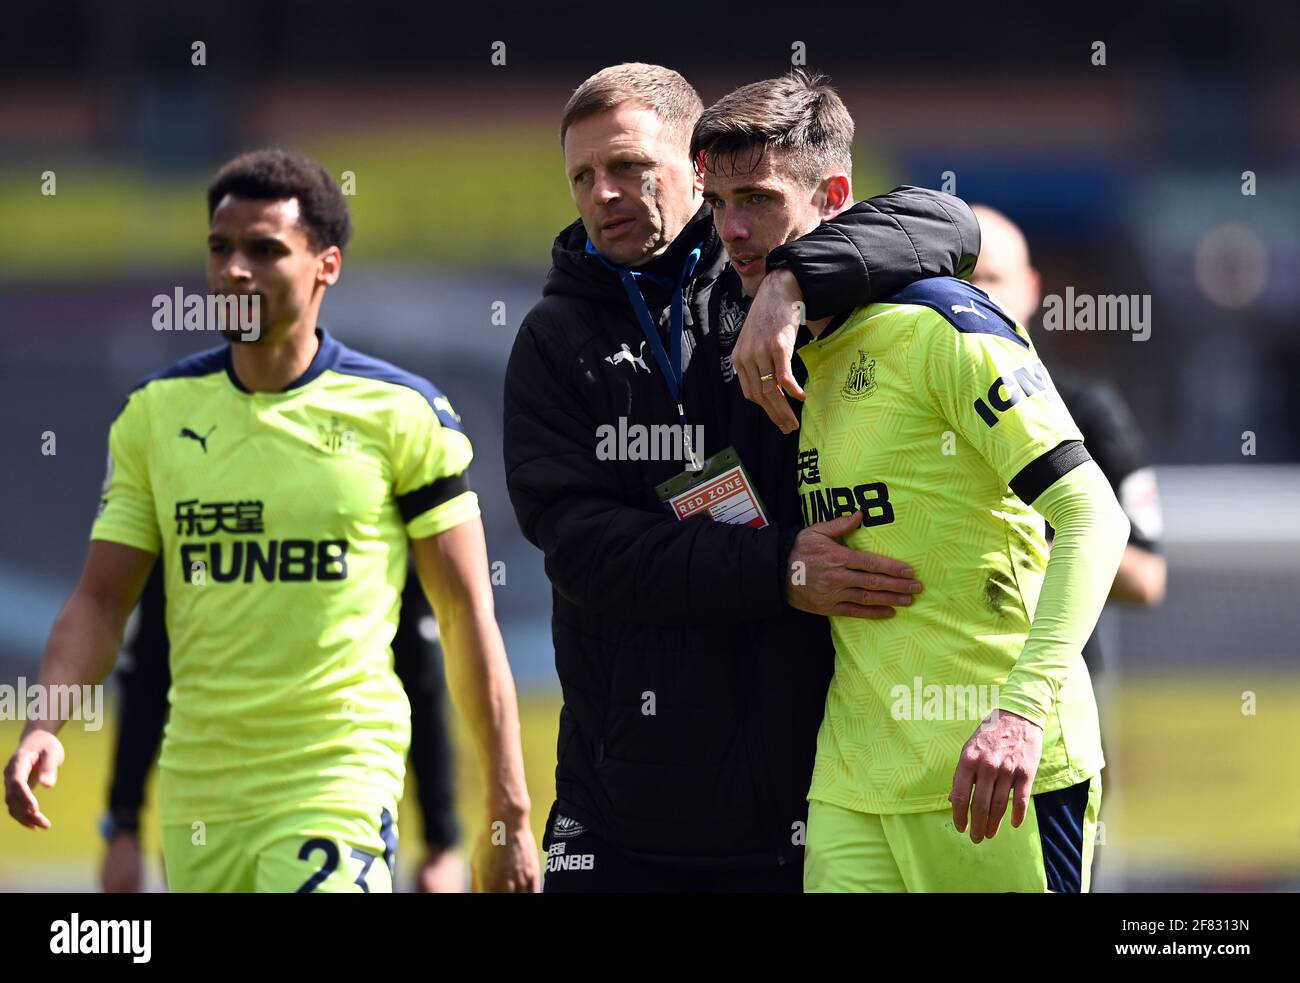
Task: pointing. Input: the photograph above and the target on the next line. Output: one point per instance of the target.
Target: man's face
(259, 248)
(632, 181)
(760, 207)
(1003, 270)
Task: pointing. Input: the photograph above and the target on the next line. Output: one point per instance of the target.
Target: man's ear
(1035, 288)
(331, 266)
(837, 195)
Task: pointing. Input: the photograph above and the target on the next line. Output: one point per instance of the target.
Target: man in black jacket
(693, 655)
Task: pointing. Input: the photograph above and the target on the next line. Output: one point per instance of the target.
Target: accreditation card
(721, 491)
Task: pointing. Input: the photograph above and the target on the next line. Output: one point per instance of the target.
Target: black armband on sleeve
(1041, 473)
(417, 502)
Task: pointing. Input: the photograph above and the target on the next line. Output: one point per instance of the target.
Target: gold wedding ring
(767, 378)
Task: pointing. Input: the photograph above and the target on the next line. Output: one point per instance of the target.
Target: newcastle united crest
(861, 382)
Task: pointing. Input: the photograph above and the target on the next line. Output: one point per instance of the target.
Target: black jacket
(692, 691)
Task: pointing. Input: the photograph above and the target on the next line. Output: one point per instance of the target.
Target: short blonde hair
(671, 97)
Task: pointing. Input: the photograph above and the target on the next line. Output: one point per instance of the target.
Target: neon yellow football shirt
(282, 522)
(921, 411)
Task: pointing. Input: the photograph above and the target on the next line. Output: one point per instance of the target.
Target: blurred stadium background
(1127, 178)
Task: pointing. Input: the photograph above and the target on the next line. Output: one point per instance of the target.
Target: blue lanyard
(672, 370)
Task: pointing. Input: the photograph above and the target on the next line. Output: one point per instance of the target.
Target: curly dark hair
(272, 174)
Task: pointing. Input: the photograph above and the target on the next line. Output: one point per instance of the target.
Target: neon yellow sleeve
(430, 461)
(993, 389)
(126, 509)
(1091, 533)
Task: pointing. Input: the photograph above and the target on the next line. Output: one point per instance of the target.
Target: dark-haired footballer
(143, 678)
(929, 413)
(284, 536)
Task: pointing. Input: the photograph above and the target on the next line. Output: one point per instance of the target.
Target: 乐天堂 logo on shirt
(626, 356)
(195, 518)
(225, 560)
(809, 472)
(203, 441)
(861, 381)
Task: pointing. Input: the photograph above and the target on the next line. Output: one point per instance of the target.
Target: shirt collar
(327, 355)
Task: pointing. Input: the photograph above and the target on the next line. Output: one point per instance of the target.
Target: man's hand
(441, 872)
(83, 643)
(39, 756)
(511, 867)
(828, 578)
(1000, 759)
(765, 348)
(121, 871)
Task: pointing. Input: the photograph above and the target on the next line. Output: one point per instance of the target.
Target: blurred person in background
(144, 677)
(1110, 432)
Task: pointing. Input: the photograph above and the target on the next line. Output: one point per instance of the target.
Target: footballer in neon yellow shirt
(931, 432)
(282, 479)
